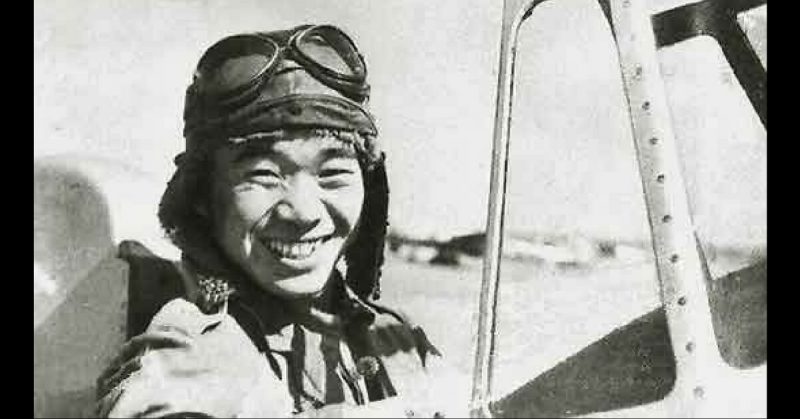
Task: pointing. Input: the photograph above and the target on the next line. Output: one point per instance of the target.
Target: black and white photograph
(400, 208)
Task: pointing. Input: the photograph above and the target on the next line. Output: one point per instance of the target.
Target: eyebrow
(253, 149)
(345, 151)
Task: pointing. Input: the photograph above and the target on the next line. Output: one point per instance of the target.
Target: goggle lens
(332, 50)
(234, 64)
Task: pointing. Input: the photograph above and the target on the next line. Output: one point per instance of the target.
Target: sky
(109, 78)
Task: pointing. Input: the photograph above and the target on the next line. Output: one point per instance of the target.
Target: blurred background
(109, 79)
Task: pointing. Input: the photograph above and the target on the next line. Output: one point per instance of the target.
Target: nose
(302, 205)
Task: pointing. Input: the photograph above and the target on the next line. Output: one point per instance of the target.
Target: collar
(336, 308)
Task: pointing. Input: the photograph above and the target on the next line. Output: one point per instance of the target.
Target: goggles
(233, 70)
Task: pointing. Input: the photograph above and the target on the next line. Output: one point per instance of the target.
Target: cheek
(250, 203)
(240, 208)
(347, 206)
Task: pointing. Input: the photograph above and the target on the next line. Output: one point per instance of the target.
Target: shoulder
(406, 354)
(181, 333)
(183, 317)
(189, 361)
(417, 369)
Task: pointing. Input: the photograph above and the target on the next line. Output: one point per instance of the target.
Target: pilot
(279, 206)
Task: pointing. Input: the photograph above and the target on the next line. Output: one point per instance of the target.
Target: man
(279, 205)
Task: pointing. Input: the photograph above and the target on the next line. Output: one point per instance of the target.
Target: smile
(301, 249)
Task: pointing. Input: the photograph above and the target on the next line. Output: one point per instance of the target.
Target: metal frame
(717, 19)
(680, 270)
(513, 16)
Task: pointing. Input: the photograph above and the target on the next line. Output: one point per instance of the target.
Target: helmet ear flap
(365, 254)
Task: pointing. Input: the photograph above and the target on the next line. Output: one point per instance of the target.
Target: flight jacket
(253, 357)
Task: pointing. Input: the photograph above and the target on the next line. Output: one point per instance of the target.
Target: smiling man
(279, 207)
(285, 207)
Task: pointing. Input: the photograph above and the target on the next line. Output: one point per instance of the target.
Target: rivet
(667, 218)
(646, 105)
(653, 140)
(682, 301)
(660, 178)
(698, 392)
(673, 258)
(689, 347)
(637, 72)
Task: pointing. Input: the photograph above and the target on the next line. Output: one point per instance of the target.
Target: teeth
(292, 250)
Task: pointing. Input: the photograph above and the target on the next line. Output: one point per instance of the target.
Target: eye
(336, 177)
(326, 173)
(264, 176)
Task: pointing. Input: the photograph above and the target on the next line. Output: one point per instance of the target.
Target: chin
(296, 279)
(306, 285)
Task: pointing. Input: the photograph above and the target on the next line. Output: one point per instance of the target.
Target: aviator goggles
(233, 70)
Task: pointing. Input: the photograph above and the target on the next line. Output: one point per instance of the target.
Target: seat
(84, 208)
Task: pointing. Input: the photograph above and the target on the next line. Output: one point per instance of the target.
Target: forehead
(294, 145)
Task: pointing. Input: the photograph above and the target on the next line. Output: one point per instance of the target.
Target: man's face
(284, 210)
